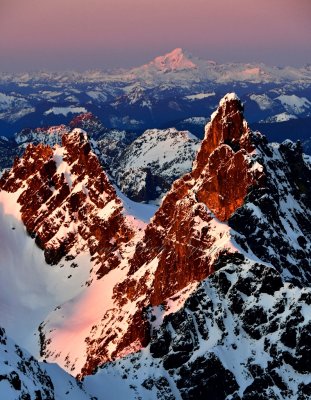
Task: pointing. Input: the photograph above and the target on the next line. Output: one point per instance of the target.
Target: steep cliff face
(275, 219)
(244, 331)
(68, 206)
(262, 191)
(184, 233)
(108, 144)
(227, 126)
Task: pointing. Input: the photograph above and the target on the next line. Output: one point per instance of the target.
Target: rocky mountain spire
(223, 162)
(183, 234)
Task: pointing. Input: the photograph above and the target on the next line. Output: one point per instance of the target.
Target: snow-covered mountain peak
(50, 135)
(229, 100)
(176, 60)
(229, 97)
(53, 134)
(153, 161)
(75, 137)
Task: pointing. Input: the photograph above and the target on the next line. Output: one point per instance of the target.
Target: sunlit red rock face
(181, 231)
(67, 203)
(227, 126)
(223, 163)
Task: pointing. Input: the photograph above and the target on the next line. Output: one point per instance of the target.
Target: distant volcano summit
(176, 60)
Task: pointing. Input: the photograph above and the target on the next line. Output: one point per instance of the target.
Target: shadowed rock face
(61, 197)
(242, 334)
(24, 377)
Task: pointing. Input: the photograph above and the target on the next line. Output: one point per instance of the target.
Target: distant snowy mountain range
(176, 89)
(175, 62)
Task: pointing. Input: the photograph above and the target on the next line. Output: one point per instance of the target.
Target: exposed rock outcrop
(183, 231)
(185, 240)
(67, 203)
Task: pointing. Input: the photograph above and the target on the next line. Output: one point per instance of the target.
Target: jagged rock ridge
(218, 184)
(50, 136)
(74, 214)
(107, 143)
(243, 332)
(67, 202)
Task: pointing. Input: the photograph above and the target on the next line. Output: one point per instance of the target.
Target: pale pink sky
(86, 34)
